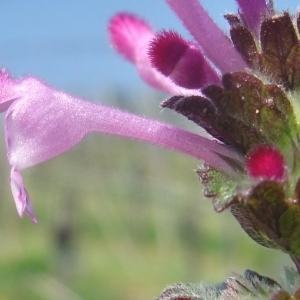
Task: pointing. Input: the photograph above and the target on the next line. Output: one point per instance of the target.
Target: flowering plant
(244, 91)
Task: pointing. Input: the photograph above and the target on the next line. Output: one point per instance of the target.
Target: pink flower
(131, 36)
(188, 65)
(42, 123)
(244, 91)
(211, 81)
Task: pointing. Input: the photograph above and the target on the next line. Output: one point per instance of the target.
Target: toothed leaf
(278, 37)
(244, 43)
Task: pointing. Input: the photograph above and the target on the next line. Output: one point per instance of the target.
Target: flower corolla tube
(242, 89)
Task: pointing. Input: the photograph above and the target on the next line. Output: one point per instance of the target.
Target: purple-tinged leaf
(244, 43)
(292, 66)
(233, 20)
(214, 120)
(278, 38)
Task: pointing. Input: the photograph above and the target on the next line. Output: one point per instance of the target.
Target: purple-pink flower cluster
(41, 122)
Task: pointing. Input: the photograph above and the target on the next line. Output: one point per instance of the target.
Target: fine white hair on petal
(46, 123)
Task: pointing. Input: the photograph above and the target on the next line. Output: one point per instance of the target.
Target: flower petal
(215, 44)
(182, 61)
(21, 197)
(9, 90)
(47, 123)
(131, 36)
(253, 12)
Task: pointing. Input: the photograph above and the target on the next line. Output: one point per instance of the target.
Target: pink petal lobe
(131, 37)
(181, 61)
(21, 197)
(215, 44)
(129, 34)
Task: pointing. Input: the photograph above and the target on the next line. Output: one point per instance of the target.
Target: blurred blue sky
(65, 41)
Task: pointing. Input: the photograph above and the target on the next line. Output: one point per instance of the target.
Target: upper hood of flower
(10, 90)
(131, 37)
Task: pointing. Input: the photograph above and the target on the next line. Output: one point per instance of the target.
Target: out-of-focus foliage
(118, 220)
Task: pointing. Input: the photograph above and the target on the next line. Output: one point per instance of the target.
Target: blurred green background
(119, 219)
